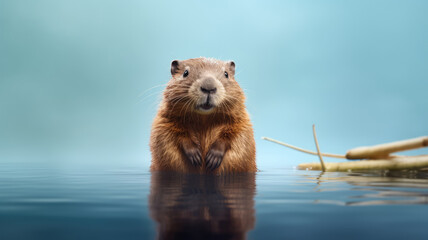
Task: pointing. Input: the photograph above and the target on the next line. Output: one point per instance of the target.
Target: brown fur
(181, 135)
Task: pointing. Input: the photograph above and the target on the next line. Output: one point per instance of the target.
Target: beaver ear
(232, 67)
(174, 67)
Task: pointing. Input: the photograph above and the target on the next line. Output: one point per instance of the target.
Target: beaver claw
(214, 158)
(194, 156)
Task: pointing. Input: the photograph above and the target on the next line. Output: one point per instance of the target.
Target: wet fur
(185, 140)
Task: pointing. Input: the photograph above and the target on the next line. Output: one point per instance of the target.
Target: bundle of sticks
(377, 157)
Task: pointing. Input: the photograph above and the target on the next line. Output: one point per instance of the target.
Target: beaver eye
(186, 73)
(226, 74)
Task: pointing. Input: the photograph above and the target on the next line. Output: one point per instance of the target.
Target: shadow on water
(202, 206)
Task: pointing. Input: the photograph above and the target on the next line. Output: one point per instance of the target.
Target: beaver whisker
(188, 103)
(156, 92)
(177, 94)
(233, 97)
(143, 92)
(228, 109)
(184, 106)
(176, 98)
(151, 94)
(178, 101)
(223, 105)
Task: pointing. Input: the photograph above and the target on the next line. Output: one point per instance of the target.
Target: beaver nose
(205, 90)
(208, 85)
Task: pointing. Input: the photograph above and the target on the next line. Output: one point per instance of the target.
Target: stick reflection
(375, 187)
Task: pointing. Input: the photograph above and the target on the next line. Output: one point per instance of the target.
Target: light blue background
(76, 77)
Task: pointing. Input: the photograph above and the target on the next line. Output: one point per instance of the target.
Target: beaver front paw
(193, 154)
(214, 159)
(215, 156)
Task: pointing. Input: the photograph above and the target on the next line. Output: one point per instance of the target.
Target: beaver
(202, 124)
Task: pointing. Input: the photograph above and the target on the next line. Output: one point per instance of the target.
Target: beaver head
(203, 86)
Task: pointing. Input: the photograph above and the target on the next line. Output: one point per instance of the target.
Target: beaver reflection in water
(188, 206)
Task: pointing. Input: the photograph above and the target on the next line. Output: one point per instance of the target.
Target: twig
(303, 150)
(395, 163)
(318, 148)
(383, 150)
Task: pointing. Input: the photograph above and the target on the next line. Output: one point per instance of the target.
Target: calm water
(58, 202)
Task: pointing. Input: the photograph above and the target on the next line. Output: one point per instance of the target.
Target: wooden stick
(318, 148)
(383, 150)
(394, 163)
(303, 150)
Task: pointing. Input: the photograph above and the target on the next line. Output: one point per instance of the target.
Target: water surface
(51, 202)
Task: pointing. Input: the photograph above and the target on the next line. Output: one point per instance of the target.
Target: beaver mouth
(206, 106)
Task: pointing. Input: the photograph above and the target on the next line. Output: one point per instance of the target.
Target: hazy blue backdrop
(76, 77)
